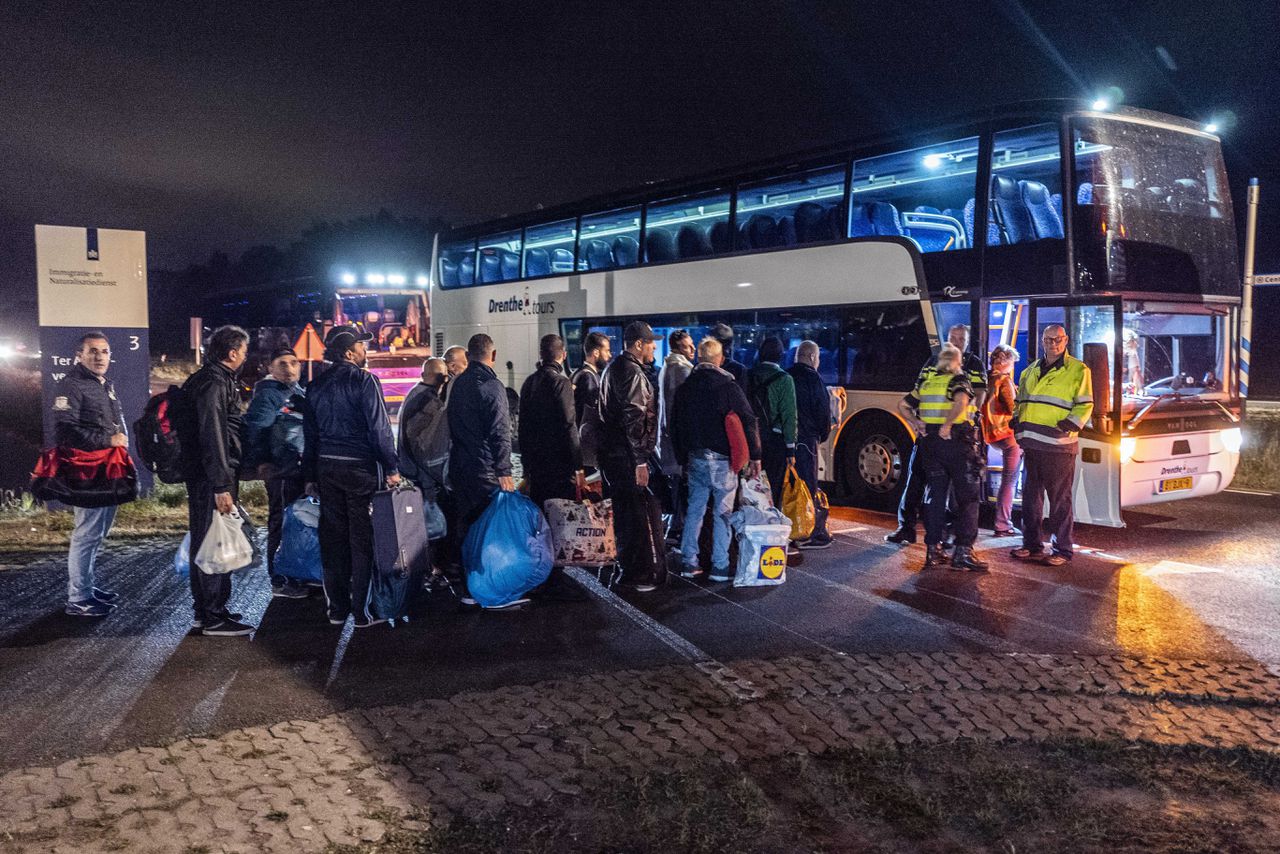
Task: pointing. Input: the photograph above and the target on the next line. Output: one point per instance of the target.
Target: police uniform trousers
(950, 466)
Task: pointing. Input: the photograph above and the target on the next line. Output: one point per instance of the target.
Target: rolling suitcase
(401, 554)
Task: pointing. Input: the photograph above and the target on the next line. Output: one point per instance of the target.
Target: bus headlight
(1232, 439)
(1128, 444)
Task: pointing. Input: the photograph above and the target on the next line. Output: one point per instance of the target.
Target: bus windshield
(1172, 352)
(1153, 209)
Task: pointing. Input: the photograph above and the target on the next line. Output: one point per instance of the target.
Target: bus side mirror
(1098, 362)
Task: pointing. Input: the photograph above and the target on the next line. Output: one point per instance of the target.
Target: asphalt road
(1193, 580)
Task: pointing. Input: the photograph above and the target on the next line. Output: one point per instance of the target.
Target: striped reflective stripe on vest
(934, 405)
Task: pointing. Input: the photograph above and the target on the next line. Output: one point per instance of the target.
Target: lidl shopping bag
(797, 504)
(582, 532)
(508, 551)
(226, 547)
(762, 546)
(298, 555)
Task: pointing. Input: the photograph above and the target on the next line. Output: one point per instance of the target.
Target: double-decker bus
(1116, 224)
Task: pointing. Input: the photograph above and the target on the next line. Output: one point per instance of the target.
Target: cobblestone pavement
(302, 785)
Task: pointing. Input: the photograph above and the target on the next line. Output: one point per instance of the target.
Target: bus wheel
(873, 462)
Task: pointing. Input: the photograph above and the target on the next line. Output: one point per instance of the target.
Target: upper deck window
(804, 207)
(1026, 186)
(609, 240)
(457, 264)
(548, 248)
(925, 194)
(499, 259)
(687, 227)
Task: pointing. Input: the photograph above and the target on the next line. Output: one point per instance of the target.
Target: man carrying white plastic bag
(226, 548)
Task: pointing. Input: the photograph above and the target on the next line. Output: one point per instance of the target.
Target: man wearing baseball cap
(630, 437)
(349, 453)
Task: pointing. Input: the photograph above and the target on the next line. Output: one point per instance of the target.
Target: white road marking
(723, 676)
(1173, 567)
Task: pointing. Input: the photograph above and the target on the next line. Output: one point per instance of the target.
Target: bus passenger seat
(785, 233)
(838, 221)
(692, 241)
(811, 223)
(510, 265)
(467, 270)
(626, 250)
(561, 261)
(884, 219)
(537, 262)
(490, 266)
(1084, 195)
(598, 255)
(719, 235)
(1187, 195)
(760, 232)
(1011, 214)
(1056, 200)
(658, 246)
(859, 224)
(448, 273)
(1045, 221)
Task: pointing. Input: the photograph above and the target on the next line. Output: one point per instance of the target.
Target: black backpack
(157, 435)
(758, 393)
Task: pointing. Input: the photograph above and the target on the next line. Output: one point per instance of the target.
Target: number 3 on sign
(134, 343)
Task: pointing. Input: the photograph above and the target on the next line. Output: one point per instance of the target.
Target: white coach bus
(872, 249)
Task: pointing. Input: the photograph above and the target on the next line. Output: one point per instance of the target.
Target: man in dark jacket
(723, 333)
(209, 433)
(88, 417)
(630, 438)
(548, 430)
(701, 444)
(282, 478)
(586, 395)
(813, 426)
(348, 440)
(424, 425)
(480, 427)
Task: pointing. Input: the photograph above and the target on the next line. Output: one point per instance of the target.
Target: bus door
(1093, 328)
(1007, 323)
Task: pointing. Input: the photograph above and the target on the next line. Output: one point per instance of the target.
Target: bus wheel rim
(878, 463)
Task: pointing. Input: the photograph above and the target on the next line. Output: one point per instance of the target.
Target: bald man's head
(435, 371)
(807, 354)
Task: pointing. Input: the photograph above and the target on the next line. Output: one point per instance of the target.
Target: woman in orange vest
(997, 411)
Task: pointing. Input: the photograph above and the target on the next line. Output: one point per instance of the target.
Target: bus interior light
(423, 281)
(348, 278)
(1101, 105)
(375, 279)
(395, 279)
(933, 161)
(1232, 439)
(1128, 444)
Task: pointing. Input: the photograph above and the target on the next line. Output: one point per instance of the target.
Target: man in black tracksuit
(549, 446)
(480, 428)
(630, 410)
(348, 441)
(209, 433)
(813, 426)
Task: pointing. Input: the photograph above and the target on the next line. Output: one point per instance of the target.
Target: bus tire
(873, 457)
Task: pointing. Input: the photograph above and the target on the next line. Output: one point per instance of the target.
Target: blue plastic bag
(182, 558)
(298, 556)
(508, 551)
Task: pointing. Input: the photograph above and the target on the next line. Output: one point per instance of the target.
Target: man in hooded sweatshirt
(676, 368)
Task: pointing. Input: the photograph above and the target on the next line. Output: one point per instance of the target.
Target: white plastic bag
(755, 492)
(225, 547)
(762, 546)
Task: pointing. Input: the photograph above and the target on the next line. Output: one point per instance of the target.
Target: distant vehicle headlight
(1128, 444)
(1232, 439)
(5, 351)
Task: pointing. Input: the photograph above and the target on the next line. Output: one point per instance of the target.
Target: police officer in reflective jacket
(941, 409)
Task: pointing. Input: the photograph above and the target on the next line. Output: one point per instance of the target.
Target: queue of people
(653, 441)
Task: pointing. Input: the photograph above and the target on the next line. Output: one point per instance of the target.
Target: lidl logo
(773, 562)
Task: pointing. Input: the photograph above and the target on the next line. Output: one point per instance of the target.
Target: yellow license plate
(1174, 484)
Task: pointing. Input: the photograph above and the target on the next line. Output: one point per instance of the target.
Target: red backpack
(156, 433)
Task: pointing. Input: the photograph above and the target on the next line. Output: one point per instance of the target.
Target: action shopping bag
(298, 555)
(762, 536)
(78, 478)
(401, 551)
(508, 551)
(797, 504)
(226, 547)
(582, 532)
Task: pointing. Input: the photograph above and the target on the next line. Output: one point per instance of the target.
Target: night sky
(222, 125)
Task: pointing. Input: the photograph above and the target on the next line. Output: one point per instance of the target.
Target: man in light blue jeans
(709, 477)
(92, 526)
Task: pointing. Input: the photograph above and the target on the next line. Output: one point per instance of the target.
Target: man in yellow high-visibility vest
(1055, 400)
(941, 409)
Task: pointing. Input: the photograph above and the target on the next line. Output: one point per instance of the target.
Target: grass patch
(1260, 455)
(26, 526)
(1059, 796)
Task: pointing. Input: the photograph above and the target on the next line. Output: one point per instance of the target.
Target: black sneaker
(105, 596)
(934, 557)
(901, 537)
(366, 622)
(643, 587)
(88, 608)
(813, 544)
(227, 629)
(289, 590)
(198, 623)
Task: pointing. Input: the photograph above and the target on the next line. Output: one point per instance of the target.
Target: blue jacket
(346, 418)
(813, 403)
(269, 397)
(480, 427)
(86, 410)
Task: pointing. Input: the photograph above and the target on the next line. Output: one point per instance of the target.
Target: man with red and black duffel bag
(89, 469)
